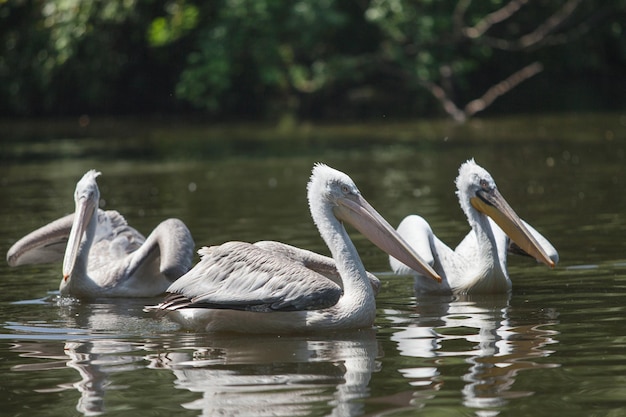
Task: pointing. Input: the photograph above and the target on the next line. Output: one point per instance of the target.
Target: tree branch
(541, 35)
(458, 15)
(550, 24)
(493, 18)
(548, 32)
(501, 88)
(447, 104)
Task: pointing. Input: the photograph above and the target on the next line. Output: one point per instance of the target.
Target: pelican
(104, 256)
(243, 287)
(478, 264)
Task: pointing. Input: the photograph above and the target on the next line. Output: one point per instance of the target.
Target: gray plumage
(235, 285)
(104, 256)
(240, 275)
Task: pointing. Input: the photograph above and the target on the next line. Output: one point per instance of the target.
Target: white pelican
(104, 256)
(250, 288)
(478, 264)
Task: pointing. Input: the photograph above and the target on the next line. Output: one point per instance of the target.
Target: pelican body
(270, 287)
(102, 255)
(479, 263)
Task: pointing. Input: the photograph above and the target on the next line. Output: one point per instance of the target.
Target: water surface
(555, 345)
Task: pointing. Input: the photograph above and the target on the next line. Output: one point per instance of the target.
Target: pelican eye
(484, 192)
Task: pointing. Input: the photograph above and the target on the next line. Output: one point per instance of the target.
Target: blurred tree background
(310, 59)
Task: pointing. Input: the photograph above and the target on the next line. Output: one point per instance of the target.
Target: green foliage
(181, 18)
(307, 58)
(278, 48)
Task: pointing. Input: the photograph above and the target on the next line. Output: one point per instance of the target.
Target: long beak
(495, 206)
(360, 214)
(83, 214)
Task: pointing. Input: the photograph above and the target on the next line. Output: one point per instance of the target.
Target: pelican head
(341, 196)
(86, 198)
(477, 190)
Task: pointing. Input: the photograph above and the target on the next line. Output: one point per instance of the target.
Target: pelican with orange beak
(275, 288)
(479, 263)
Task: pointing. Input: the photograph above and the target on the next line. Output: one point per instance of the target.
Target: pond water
(555, 345)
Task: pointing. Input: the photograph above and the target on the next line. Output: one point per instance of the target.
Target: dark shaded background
(311, 59)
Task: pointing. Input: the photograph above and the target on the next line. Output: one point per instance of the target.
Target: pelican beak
(360, 214)
(82, 216)
(490, 202)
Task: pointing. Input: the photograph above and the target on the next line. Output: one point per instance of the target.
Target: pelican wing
(114, 240)
(168, 250)
(44, 245)
(321, 264)
(47, 244)
(242, 276)
(416, 231)
(112, 224)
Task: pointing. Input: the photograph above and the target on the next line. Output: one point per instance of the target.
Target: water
(556, 345)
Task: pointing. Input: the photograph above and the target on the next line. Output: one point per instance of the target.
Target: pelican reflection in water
(479, 263)
(103, 255)
(288, 375)
(95, 361)
(247, 288)
(224, 375)
(480, 329)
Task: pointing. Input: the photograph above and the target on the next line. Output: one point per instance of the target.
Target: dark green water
(555, 346)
